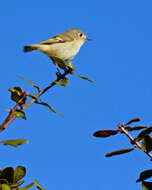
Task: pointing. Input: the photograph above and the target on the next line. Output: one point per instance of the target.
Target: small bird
(62, 47)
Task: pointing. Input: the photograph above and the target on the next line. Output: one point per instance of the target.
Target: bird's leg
(70, 67)
(56, 65)
(58, 70)
(54, 60)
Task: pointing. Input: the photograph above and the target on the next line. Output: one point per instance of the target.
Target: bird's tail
(29, 48)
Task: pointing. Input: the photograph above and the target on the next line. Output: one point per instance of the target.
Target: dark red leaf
(105, 133)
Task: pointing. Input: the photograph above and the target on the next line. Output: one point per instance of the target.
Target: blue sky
(62, 153)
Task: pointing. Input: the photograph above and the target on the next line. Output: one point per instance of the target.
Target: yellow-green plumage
(63, 46)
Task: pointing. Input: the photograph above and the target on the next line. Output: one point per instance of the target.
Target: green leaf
(80, 76)
(20, 114)
(129, 128)
(4, 187)
(15, 185)
(15, 142)
(34, 96)
(8, 110)
(118, 152)
(18, 90)
(144, 175)
(47, 105)
(146, 143)
(71, 66)
(34, 85)
(17, 94)
(143, 133)
(19, 173)
(27, 187)
(133, 120)
(8, 174)
(63, 82)
(147, 185)
(38, 185)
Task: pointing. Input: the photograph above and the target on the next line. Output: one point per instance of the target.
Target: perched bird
(61, 47)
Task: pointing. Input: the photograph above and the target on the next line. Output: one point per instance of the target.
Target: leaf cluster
(11, 179)
(142, 141)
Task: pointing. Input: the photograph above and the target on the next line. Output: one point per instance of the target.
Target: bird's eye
(81, 34)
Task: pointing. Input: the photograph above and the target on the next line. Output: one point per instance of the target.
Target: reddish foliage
(105, 133)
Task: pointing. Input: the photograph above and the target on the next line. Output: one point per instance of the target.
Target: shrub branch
(11, 117)
(133, 141)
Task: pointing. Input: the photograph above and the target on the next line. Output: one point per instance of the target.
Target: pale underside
(61, 50)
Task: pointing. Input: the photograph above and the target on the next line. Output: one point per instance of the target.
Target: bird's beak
(88, 39)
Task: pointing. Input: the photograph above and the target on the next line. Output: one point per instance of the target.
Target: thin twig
(11, 117)
(122, 127)
(47, 88)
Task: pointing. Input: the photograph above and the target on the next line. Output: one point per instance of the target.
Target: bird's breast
(65, 50)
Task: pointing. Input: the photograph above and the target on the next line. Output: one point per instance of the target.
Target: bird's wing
(57, 39)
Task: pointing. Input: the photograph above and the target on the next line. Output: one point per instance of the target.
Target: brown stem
(11, 117)
(122, 127)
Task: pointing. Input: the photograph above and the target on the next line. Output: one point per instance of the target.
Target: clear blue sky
(62, 153)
